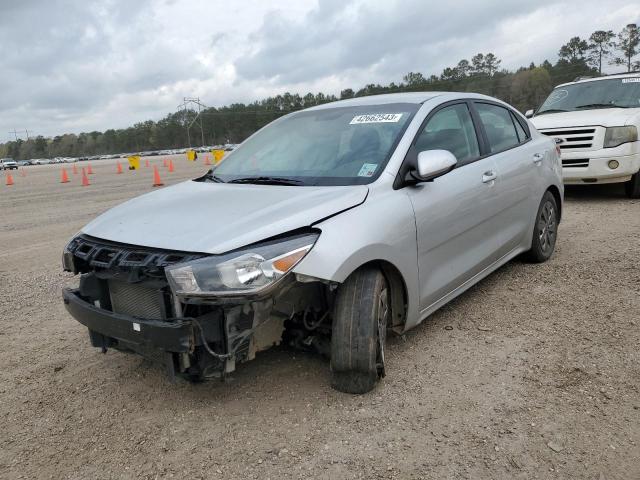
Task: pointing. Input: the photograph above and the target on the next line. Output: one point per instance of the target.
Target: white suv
(597, 121)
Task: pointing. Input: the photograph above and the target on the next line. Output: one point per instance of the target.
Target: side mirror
(529, 113)
(434, 163)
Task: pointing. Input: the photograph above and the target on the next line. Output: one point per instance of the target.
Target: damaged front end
(198, 314)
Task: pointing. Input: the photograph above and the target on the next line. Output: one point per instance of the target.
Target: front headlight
(248, 270)
(615, 136)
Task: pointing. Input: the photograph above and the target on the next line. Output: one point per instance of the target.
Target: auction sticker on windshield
(367, 169)
(376, 118)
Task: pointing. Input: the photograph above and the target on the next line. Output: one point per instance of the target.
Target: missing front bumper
(173, 335)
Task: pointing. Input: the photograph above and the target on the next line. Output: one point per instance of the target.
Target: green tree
(478, 65)
(600, 44)
(574, 50)
(413, 79)
(491, 64)
(627, 45)
(463, 68)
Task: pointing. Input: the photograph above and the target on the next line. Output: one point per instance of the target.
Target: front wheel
(359, 330)
(545, 230)
(632, 187)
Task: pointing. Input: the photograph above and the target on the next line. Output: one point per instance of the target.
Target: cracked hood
(217, 217)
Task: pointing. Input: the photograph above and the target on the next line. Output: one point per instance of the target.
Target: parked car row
(47, 161)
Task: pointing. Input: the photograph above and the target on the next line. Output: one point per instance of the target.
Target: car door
(455, 213)
(516, 159)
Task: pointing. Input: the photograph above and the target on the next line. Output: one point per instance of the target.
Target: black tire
(632, 187)
(361, 313)
(545, 230)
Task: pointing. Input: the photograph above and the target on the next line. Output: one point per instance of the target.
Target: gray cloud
(79, 65)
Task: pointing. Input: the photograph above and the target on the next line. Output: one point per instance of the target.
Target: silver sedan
(325, 230)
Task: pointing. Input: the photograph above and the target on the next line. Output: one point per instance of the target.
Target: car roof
(604, 77)
(406, 97)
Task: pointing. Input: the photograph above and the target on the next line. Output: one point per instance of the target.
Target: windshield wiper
(551, 110)
(268, 181)
(212, 177)
(601, 105)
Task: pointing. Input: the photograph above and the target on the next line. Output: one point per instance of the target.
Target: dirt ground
(532, 374)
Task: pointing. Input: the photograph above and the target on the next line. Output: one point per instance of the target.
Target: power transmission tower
(193, 101)
(15, 133)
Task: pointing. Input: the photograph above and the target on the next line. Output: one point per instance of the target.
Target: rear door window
(499, 127)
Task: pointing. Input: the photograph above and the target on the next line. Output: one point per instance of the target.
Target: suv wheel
(360, 319)
(632, 187)
(545, 230)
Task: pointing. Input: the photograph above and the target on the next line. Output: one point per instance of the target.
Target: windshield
(611, 93)
(334, 146)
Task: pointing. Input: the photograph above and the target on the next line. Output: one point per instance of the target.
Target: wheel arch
(555, 191)
(398, 288)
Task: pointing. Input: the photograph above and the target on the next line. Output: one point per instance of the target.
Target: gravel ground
(533, 373)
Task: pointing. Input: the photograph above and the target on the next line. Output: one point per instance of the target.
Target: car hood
(216, 217)
(606, 117)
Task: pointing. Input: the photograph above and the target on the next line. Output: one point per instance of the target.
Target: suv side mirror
(529, 113)
(433, 164)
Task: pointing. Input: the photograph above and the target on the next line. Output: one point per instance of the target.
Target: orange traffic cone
(85, 179)
(64, 178)
(164, 162)
(89, 171)
(146, 162)
(75, 169)
(206, 160)
(9, 179)
(119, 170)
(170, 166)
(156, 177)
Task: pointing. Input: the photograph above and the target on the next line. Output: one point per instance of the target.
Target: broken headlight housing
(245, 271)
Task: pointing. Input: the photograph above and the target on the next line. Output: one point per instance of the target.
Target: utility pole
(196, 101)
(15, 133)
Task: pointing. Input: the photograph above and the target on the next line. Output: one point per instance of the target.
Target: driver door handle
(489, 176)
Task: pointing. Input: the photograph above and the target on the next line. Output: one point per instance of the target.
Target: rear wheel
(632, 187)
(545, 230)
(360, 319)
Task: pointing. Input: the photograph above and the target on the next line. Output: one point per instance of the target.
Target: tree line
(524, 88)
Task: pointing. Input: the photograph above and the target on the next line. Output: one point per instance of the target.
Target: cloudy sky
(82, 65)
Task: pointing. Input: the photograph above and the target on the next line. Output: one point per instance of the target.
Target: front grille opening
(135, 257)
(566, 146)
(173, 258)
(105, 256)
(84, 249)
(573, 138)
(575, 162)
(569, 132)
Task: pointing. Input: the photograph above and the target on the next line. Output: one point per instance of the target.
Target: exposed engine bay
(125, 301)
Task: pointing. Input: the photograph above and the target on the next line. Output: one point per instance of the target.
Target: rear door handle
(489, 176)
(537, 158)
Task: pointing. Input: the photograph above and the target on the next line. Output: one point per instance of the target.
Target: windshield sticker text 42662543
(376, 118)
